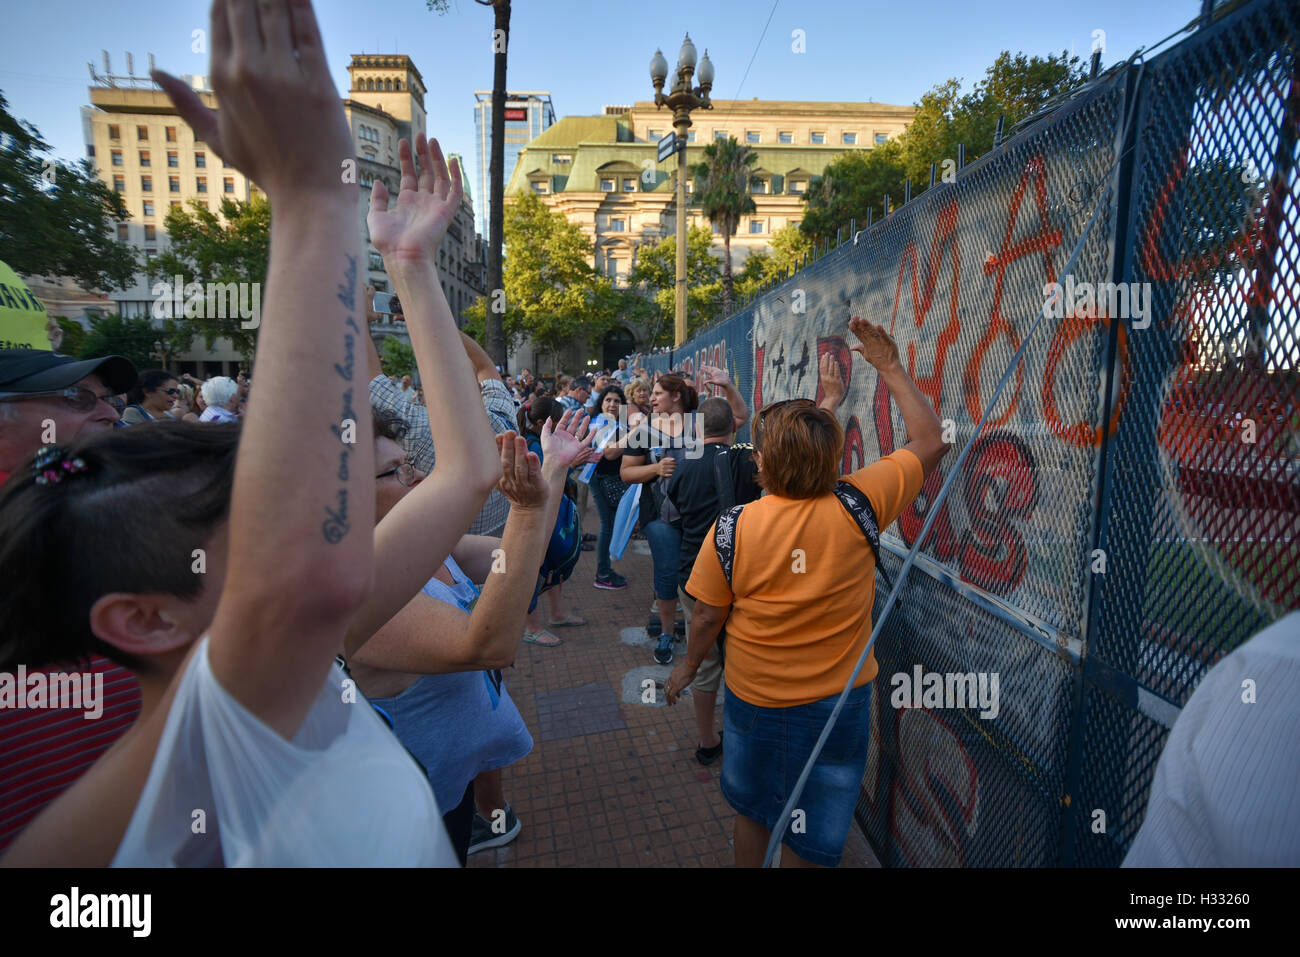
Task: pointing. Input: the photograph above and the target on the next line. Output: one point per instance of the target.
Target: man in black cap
(47, 398)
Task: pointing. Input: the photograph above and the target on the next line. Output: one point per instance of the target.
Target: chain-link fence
(1130, 512)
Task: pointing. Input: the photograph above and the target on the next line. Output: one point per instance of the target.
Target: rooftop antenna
(130, 64)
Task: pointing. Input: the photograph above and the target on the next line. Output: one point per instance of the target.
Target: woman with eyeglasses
(796, 594)
(152, 398)
(248, 725)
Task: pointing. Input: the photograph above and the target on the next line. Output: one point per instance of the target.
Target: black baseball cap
(34, 370)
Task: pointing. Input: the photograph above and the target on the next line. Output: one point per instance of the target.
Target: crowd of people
(303, 607)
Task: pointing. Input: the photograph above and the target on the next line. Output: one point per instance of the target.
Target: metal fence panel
(1112, 533)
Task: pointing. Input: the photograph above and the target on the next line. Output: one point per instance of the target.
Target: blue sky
(586, 53)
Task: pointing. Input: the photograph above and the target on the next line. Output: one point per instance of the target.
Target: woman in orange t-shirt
(799, 600)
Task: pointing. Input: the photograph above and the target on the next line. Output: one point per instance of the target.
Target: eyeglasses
(172, 391)
(82, 400)
(772, 407)
(405, 473)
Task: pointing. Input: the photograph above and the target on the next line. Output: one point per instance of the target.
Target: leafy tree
(723, 190)
(205, 248)
(552, 294)
(1014, 87)
(398, 356)
(57, 218)
(132, 337)
(654, 276)
(74, 337)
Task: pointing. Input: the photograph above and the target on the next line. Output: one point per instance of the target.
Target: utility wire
(756, 46)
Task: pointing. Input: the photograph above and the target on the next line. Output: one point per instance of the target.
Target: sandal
(569, 620)
(543, 638)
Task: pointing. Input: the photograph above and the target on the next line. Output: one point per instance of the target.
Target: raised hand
(568, 442)
(521, 473)
(270, 76)
(876, 345)
(832, 380)
(714, 376)
(410, 229)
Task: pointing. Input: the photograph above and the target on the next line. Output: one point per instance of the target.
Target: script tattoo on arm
(336, 525)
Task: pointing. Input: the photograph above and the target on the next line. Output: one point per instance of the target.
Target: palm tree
(722, 190)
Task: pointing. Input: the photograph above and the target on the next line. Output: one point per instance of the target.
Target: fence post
(997, 133)
(934, 168)
(907, 192)
(961, 155)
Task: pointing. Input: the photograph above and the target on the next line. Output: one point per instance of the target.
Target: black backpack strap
(724, 539)
(859, 506)
(722, 476)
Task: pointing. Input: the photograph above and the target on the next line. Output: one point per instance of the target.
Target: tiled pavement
(612, 782)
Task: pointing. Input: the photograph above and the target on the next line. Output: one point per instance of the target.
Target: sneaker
(611, 582)
(707, 756)
(664, 650)
(482, 836)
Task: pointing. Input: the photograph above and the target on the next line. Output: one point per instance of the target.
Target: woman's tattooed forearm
(336, 524)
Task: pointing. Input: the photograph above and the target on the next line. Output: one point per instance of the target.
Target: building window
(717, 229)
(882, 139)
(144, 158)
(173, 160)
(785, 137)
(201, 160)
(119, 183)
(142, 133)
(690, 136)
(117, 157)
(617, 225)
(150, 233)
(817, 138)
(122, 232)
(654, 134)
(607, 186)
(561, 157)
(228, 184)
(690, 187)
(539, 187)
(720, 134)
(849, 139)
(798, 186)
(753, 136)
(759, 187)
(150, 254)
(755, 225)
(629, 185)
(794, 223)
(201, 184)
(171, 134)
(114, 133)
(146, 184)
(148, 207)
(173, 184)
(174, 202)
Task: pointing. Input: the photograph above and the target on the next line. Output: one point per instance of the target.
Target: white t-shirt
(1226, 792)
(226, 789)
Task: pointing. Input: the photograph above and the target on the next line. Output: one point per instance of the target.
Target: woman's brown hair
(676, 384)
(802, 447)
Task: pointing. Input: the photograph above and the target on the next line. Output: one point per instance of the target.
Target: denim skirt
(765, 753)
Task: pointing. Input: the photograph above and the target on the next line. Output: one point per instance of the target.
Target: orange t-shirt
(802, 586)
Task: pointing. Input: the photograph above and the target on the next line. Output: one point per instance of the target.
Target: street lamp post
(681, 99)
(162, 348)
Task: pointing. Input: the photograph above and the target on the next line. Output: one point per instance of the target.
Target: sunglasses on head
(772, 407)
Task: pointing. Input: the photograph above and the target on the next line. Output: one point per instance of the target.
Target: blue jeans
(606, 513)
(666, 551)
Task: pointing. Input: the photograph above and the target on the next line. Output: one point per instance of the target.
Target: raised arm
(832, 380)
(715, 376)
(421, 530)
(924, 431)
(303, 501)
(431, 637)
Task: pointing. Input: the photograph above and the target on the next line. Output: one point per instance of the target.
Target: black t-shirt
(654, 446)
(693, 488)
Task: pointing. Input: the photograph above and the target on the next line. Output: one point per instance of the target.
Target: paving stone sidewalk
(613, 782)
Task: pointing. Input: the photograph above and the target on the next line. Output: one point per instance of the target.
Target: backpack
(562, 552)
(851, 497)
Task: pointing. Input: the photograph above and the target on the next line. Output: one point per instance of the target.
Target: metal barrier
(1132, 511)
